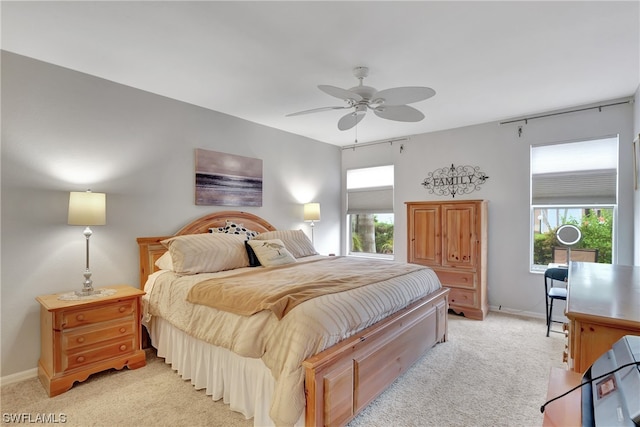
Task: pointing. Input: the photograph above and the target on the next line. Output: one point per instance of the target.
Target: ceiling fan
(390, 104)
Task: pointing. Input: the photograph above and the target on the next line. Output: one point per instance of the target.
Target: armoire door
(425, 239)
(459, 240)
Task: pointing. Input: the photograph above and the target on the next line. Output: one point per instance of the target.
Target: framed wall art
(227, 180)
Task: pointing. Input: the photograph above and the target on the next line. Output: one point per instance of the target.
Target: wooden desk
(566, 411)
(603, 305)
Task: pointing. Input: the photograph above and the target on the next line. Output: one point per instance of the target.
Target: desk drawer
(74, 318)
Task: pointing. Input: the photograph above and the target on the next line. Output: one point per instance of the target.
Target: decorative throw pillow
(206, 253)
(233, 228)
(296, 241)
(271, 252)
(165, 262)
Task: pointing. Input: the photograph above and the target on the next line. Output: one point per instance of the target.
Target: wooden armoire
(451, 238)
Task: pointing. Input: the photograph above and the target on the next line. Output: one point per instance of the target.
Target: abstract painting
(227, 180)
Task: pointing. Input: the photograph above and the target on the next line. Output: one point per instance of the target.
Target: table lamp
(87, 208)
(311, 214)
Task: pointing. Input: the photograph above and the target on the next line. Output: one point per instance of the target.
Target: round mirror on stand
(568, 235)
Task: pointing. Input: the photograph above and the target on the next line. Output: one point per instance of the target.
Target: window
(573, 183)
(370, 211)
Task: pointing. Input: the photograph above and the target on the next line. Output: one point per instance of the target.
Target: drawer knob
(80, 339)
(80, 359)
(80, 317)
(122, 309)
(123, 347)
(123, 330)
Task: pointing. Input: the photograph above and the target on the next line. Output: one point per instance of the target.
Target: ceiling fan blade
(316, 110)
(349, 120)
(347, 95)
(404, 95)
(400, 113)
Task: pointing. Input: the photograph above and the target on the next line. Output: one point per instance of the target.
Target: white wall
(504, 157)
(66, 131)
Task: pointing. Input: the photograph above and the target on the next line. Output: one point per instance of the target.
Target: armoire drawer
(459, 297)
(457, 278)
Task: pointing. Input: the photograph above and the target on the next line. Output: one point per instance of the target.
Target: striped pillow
(295, 241)
(207, 253)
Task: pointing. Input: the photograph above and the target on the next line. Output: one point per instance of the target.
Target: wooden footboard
(342, 380)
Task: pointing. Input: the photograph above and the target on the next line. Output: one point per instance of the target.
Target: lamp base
(87, 285)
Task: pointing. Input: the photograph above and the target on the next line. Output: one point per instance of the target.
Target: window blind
(577, 173)
(370, 200)
(370, 190)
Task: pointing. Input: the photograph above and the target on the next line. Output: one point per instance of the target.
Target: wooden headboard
(151, 249)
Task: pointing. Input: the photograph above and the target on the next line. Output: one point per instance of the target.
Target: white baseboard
(19, 376)
(531, 314)
(523, 313)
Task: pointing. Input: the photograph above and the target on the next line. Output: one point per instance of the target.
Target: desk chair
(554, 292)
(560, 255)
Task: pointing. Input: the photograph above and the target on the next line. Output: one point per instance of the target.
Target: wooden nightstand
(79, 338)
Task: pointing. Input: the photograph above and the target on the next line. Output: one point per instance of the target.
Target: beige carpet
(489, 373)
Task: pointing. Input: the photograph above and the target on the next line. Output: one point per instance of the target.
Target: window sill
(372, 256)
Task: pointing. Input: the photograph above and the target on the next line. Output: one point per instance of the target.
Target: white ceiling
(487, 61)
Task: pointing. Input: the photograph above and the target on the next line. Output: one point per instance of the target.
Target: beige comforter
(284, 344)
(282, 288)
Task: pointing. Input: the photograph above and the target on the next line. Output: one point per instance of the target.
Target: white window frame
(373, 188)
(583, 204)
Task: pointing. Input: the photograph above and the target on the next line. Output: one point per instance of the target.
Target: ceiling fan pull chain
(356, 140)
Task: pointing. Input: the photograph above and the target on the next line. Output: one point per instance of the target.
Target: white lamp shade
(87, 208)
(312, 212)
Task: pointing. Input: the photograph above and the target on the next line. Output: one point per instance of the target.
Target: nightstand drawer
(89, 335)
(97, 353)
(73, 318)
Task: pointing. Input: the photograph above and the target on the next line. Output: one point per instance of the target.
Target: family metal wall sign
(454, 180)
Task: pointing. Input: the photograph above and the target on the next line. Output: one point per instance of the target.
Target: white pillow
(271, 252)
(296, 241)
(207, 252)
(165, 262)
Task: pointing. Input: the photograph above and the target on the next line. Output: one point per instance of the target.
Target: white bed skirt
(243, 383)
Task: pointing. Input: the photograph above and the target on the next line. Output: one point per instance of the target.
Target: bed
(295, 364)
